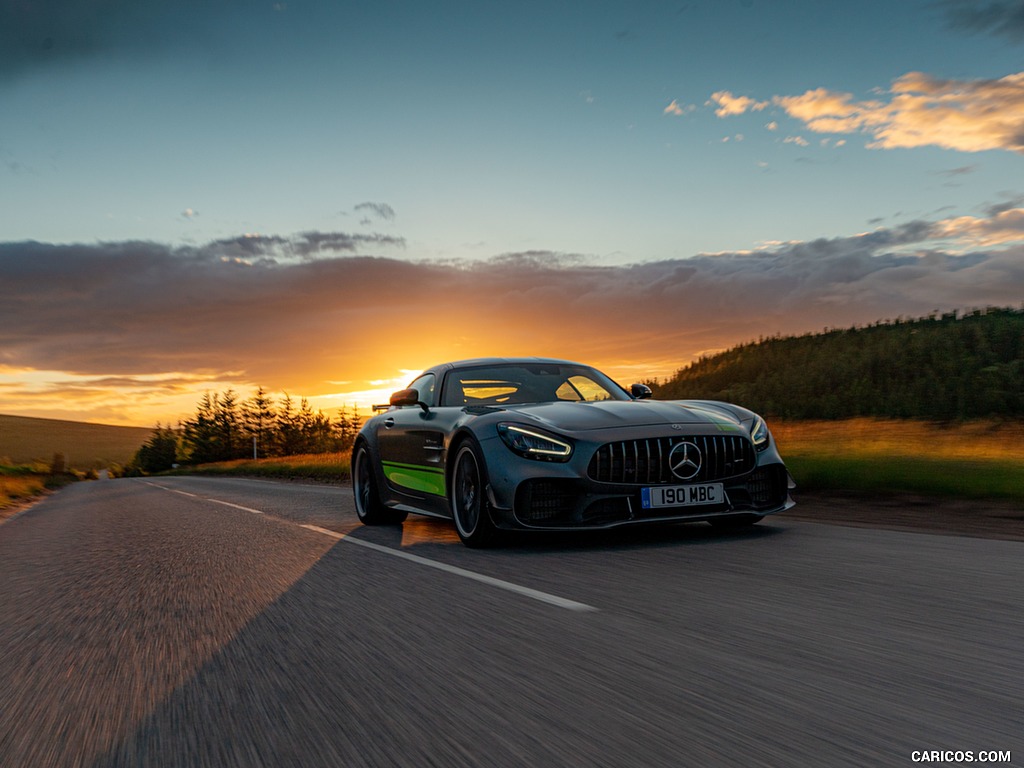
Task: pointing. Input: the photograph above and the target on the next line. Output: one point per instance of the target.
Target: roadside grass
(972, 460)
(15, 489)
(320, 467)
(20, 483)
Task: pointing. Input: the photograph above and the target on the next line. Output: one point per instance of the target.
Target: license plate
(682, 495)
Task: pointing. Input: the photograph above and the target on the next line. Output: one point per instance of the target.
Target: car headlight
(534, 444)
(759, 433)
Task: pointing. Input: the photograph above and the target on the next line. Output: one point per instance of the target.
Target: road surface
(228, 622)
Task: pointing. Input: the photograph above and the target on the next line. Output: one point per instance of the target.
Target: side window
(425, 386)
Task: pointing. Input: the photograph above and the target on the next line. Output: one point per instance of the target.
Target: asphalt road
(196, 622)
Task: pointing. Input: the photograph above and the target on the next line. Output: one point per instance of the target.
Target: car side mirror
(640, 391)
(409, 396)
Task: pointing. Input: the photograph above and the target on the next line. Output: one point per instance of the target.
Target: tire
(369, 508)
(735, 522)
(471, 511)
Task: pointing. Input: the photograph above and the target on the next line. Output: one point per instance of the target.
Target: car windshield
(518, 383)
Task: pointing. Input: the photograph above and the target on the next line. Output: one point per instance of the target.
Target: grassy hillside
(84, 446)
(948, 367)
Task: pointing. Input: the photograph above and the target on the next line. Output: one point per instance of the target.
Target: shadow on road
(421, 532)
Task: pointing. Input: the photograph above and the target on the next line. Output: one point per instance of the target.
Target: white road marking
(236, 506)
(535, 594)
(172, 490)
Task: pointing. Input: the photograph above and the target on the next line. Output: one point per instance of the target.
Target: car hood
(612, 414)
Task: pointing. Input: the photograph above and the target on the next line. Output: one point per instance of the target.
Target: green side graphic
(415, 477)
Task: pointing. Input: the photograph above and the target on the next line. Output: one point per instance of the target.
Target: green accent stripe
(421, 467)
(416, 477)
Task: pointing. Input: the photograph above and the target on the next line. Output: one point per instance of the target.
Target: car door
(412, 440)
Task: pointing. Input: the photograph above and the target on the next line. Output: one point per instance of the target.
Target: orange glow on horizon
(145, 400)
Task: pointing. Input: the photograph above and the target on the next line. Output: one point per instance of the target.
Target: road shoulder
(981, 518)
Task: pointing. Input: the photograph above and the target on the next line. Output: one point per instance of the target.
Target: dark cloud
(1003, 18)
(963, 170)
(376, 210)
(35, 33)
(992, 211)
(260, 308)
(307, 245)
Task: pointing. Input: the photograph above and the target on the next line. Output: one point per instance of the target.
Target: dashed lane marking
(508, 586)
(173, 490)
(236, 506)
(535, 594)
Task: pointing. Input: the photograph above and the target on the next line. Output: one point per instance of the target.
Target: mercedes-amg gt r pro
(537, 444)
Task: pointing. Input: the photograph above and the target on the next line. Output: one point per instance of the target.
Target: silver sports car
(535, 444)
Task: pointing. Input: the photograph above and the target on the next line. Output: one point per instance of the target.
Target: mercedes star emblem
(684, 460)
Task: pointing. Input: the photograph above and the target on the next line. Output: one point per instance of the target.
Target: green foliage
(159, 453)
(946, 367)
(225, 428)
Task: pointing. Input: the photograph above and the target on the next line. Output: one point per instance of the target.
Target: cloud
(1005, 226)
(46, 34)
(273, 249)
(727, 104)
(1003, 18)
(299, 312)
(675, 108)
(919, 110)
(376, 210)
(963, 170)
(43, 33)
(1006, 205)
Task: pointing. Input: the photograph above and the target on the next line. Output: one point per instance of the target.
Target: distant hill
(949, 367)
(84, 445)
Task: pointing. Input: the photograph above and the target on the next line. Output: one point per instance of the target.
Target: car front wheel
(468, 498)
(369, 508)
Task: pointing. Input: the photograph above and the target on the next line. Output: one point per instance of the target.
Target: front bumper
(567, 504)
(526, 494)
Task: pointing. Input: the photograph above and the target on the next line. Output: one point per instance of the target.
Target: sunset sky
(323, 197)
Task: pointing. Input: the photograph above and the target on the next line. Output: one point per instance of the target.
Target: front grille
(646, 462)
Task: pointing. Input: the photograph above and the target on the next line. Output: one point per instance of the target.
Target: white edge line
(535, 594)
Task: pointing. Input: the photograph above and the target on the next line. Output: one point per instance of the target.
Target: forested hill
(943, 367)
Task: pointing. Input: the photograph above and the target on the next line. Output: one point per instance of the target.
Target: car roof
(480, 361)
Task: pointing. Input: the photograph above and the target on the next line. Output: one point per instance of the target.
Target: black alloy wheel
(369, 508)
(468, 498)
